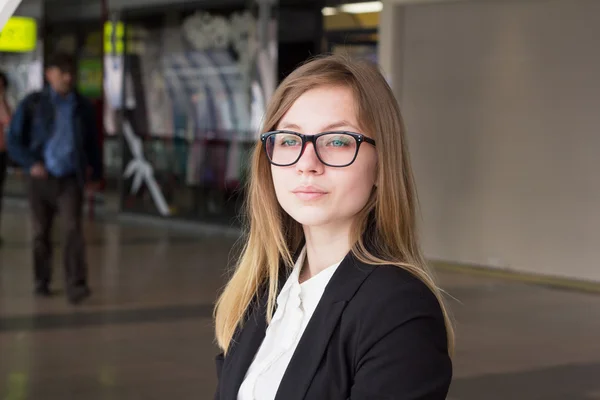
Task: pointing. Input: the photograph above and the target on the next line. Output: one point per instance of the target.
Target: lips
(309, 192)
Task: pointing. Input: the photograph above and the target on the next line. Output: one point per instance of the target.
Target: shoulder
(26, 105)
(34, 95)
(393, 303)
(396, 338)
(394, 293)
(31, 98)
(394, 281)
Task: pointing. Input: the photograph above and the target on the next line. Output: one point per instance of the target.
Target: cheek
(355, 192)
(280, 180)
(356, 187)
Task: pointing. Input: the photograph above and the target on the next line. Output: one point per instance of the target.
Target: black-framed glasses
(334, 149)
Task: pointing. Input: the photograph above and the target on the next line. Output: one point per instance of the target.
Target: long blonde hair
(387, 222)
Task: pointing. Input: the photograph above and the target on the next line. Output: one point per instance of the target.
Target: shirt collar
(295, 275)
(56, 98)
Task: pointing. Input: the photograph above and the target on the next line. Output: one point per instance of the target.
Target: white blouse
(296, 304)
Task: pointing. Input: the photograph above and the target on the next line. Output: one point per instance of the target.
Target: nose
(67, 78)
(309, 162)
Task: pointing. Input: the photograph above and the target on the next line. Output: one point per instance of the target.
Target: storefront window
(184, 96)
(194, 98)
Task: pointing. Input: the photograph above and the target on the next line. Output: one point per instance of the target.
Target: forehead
(321, 109)
(65, 69)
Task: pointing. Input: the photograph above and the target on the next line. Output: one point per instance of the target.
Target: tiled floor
(147, 332)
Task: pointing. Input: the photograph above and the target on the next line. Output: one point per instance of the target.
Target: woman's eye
(338, 142)
(289, 142)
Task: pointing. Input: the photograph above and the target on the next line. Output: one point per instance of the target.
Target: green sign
(19, 35)
(118, 30)
(89, 77)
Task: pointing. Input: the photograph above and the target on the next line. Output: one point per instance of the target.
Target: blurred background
(500, 100)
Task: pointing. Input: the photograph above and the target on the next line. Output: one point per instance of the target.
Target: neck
(325, 246)
(60, 93)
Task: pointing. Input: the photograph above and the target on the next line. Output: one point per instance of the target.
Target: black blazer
(377, 333)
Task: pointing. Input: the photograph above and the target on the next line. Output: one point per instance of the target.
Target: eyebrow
(332, 126)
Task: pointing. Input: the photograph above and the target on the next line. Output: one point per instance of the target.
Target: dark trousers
(3, 162)
(46, 197)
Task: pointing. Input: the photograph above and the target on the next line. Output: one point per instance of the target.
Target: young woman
(5, 114)
(331, 298)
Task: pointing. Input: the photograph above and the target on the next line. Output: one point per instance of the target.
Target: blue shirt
(59, 152)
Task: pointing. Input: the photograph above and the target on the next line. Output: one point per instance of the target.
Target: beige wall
(502, 104)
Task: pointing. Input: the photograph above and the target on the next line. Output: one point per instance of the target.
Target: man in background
(4, 122)
(53, 135)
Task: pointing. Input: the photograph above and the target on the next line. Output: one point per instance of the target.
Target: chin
(308, 216)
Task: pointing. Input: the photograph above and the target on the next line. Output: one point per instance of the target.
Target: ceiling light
(326, 11)
(359, 8)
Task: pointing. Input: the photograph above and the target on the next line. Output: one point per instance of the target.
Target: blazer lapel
(242, 354)
(315, 339)
(246, 345)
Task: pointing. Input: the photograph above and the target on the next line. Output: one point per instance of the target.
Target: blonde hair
(387, 222)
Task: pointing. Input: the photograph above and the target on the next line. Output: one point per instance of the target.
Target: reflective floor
(146, 332)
